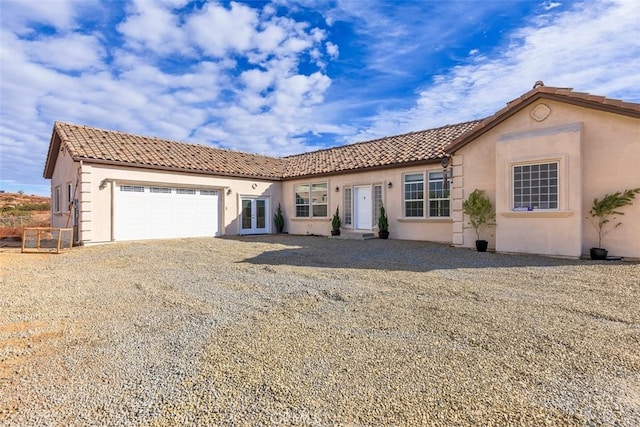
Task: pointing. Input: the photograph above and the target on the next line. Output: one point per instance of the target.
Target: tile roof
(112, 147)
(105, 146)
(422, 146)
(566, 95)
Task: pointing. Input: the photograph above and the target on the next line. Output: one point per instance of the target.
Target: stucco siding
(65, 172)
(100, 200)
(596, 152)
(400, 227)
(611, 162)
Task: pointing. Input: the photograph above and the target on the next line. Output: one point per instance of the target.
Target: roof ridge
(372, 141)
(190, 144)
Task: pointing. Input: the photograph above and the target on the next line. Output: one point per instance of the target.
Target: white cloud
(154, 26)
(72, 52)
(580, 48)
(248, 79)
(61, 14)
(333, 50)
(217, 30)
(548, 5)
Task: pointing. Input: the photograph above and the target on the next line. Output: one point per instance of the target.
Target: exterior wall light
(228, 191)
(389, 185)
(337, 189)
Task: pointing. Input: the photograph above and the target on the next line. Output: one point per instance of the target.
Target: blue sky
(282, 77)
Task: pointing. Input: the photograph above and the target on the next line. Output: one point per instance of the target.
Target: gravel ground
(289, 330)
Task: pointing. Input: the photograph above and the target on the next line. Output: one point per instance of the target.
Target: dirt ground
(295, 330)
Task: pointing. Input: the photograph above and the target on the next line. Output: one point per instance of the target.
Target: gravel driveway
(290, 330)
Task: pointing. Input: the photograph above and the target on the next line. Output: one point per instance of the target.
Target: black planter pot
(335, 232)
(598, 254)
(383, 234)
(482, 245)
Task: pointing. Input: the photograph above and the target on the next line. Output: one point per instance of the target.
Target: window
(164, 190)
(302, 200)
(347, 210)
(69, 195)
(311, 200)
(414, 195)
(319, 199)
(535, 186)
(208, 192)
(56, 200)
(377, 202)
(439, 201)
(185, 191)
(132, 188)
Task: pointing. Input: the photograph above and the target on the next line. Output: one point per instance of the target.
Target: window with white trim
(439, 195)
(414, 195)
(69, 199)
(535, 186)
(311, 200)
(56, 199)
(347, 206)
(377, 202)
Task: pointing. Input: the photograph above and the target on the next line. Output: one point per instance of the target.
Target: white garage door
(146, 212)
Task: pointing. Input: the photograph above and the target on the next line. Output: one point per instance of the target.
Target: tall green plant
(603, 210)
(479, 210)
(383, 221)
(335, 221)
(278, 219)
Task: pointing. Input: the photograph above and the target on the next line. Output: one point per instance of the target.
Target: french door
(253, 215)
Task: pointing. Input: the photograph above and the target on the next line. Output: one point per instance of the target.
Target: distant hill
(23, 202)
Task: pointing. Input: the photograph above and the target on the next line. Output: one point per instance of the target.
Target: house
(542, 159)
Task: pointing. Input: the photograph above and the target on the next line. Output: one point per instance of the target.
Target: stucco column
(85, 195)
(457, 197)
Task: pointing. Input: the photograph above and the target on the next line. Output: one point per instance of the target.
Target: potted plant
(383, 224)
(278, 220)
(336, 223)
(602, 212)
(481, 215)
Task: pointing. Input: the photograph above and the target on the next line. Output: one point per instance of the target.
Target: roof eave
(175, 169)
(52, 154)
(365, 169)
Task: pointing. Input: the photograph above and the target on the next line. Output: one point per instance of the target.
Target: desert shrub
(20, 209)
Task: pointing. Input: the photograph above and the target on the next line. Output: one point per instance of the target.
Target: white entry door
(363, 206)
(253, 215)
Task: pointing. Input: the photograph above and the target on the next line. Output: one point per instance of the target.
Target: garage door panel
(157, 213)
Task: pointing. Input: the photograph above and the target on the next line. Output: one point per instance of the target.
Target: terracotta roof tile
(389, 151)
(106, 146)
(85, 142)
(113, 147)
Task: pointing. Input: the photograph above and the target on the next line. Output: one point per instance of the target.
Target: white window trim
(311, 204)
(347, 221)
(376, 213)
(404, 200)
(425, 197)
(559, 192)
(428, 191)
(69, 196)
(56, 200)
